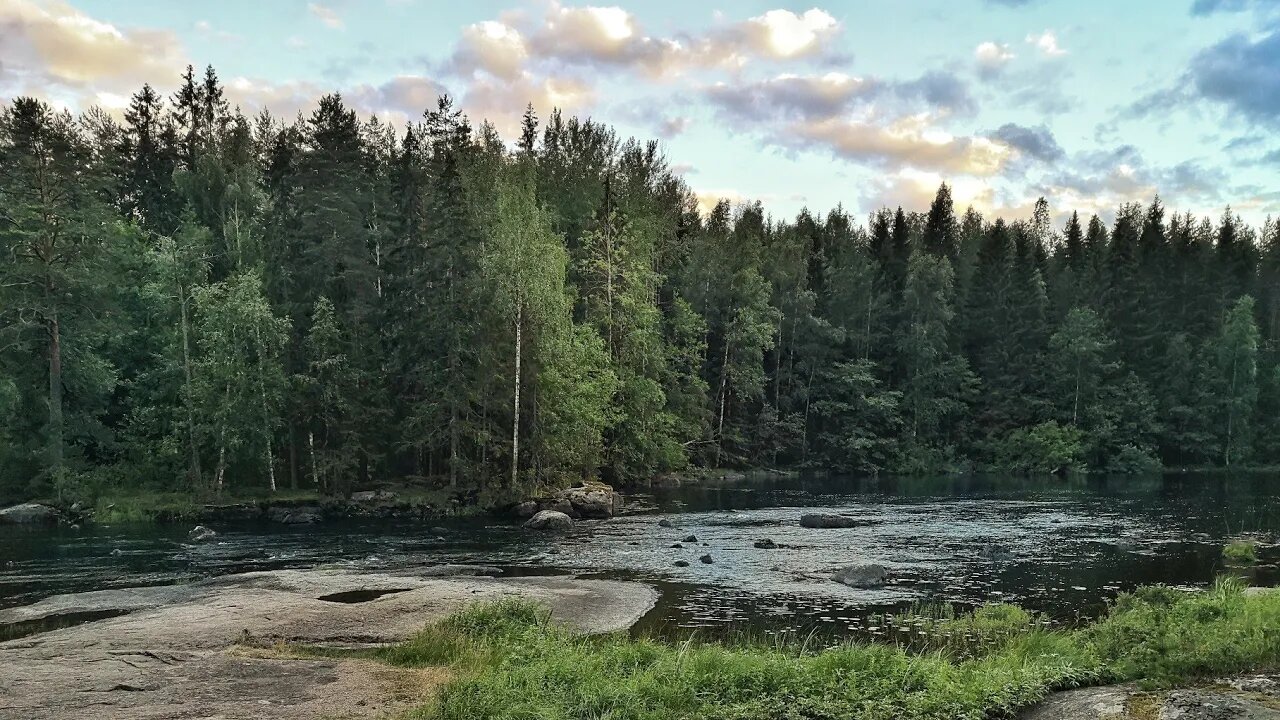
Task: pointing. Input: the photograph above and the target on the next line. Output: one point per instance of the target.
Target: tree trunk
(189, 401)
(724, 390)
(55, 395)
(515, 403)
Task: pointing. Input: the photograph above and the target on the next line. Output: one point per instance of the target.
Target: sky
(1088, 103)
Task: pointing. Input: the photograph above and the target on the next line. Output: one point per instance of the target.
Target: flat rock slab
(175, 654)
(1255, 697)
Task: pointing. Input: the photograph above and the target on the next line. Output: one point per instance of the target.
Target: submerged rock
(765, 544)
(200, 533)
(690, 539)
(28, 514)
(707, 559)
(549, 520)
(827, 520)
(682, 563)
(665, 523)
(861, 575)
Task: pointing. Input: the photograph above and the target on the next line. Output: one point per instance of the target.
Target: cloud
(672, 126)
(493, 47)
(326, 15)
(936, 89)
(1242, 74)
(1209, 7)
(708, 198)
(398, 100)
(57, 52)
(502, 102)
(1047, 43)
(911, 141)
(1037, 142)
(992, 58)
(915, 189)
(611, 37)
(794, 96)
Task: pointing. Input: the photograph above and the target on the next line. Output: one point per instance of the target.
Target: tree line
(192, 299)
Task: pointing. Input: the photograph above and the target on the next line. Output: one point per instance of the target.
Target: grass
(1241, 551)
(510, 662)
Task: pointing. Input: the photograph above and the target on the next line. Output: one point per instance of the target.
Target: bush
(1241, 551)
(1042, 449)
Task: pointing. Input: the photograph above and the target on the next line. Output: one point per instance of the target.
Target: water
(1058, 547)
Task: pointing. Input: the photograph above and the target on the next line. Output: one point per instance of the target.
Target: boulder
(765, 544)
(549, 520)
(861, 575)
(682, 563)
(664, 523)
(707, 559)
(827, 520)
(591, 501)
(200, 533)
(525, 510)
(28, 514)
(690, 539)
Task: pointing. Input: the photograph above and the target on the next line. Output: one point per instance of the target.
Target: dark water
(1063, 548)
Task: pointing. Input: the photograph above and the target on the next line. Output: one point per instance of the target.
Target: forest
(197, 301)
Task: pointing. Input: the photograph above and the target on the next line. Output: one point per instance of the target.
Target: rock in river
(861, 575)
(765, 544)
(827, 520)
(28, 514)
(549, 520)
(294, 516)
(201, 533)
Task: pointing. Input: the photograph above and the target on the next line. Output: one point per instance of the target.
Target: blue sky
(1089, 103)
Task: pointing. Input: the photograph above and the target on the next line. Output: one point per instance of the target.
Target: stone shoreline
(203, 650)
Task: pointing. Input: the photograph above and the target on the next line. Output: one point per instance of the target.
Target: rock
(676, 546)
(549, 520)
(201, 533)
(525, 510)
(198, 649)
(1127, 545)
(765, 544)
(1226, 700)
(707, 559)
(861, 575)
(561, 505)
(28, 514)
(438, 530)
(665, 523)
(294, 516)
(77, 507)
(827, 520)
(682, 563)
(591, 501)
(994, 553)
(690, 539)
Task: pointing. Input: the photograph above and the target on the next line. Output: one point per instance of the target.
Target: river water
(1059, 547)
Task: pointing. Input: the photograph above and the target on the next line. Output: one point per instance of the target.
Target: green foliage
(510, 662)
(1045, 448)
(190, 299)
(1241, 551)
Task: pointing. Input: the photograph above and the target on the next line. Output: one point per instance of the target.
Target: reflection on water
(1063, 548)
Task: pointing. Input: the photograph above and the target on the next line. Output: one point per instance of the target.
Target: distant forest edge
(193, 300)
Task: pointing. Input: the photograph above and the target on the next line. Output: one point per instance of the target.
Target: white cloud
(992, 57)
(326, 15)
(1047, 43)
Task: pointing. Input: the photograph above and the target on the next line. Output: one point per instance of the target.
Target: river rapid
(1063, 548)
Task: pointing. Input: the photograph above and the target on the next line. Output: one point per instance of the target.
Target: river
(1059, 547)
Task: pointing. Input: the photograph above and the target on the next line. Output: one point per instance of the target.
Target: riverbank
(205, 649)
(508, 660)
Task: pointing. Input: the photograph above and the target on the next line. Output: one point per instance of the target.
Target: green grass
(1241, 551)
(511, 663)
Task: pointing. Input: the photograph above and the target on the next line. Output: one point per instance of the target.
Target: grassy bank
(509, 662)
